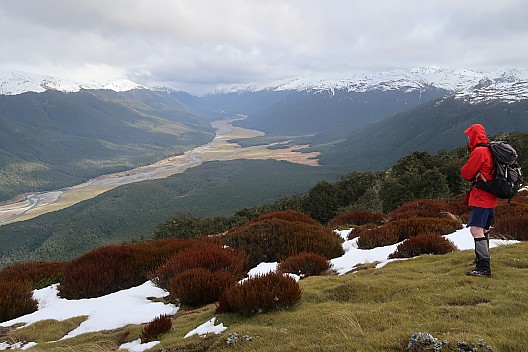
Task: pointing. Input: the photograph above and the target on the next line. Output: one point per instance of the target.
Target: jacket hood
(476, 134)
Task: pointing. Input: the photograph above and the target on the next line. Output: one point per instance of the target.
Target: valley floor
(221, 148)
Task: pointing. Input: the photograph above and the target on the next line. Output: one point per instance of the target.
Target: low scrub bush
(113, 268)
(428, 208)
(431, 243)
(357, 218)
(358, 230)
(150, 255)
(40, 274)
(402, 229)
(511, 227)
(305, 264)
(214, 258)
(275, 239)
(379, 237)
(288, 215)
(511, 209)
(155, 328)
(261, 293)
(16, 299)
(199, 286)
(100, 272)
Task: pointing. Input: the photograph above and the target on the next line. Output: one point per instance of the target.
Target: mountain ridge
(466, 83)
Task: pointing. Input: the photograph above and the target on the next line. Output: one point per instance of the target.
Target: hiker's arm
(473, 165)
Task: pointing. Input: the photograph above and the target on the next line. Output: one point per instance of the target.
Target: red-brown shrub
(505, 209)
(358, 230)
(261, 293)
(288, 215)
(305, 264)
(511, 227)
(522, 196)
(113, 268)
(213, 258)
(427, 208)
(357, 218)
(399, 230)
(379, 237)
(100, 272)
(40, 274)
(150, 255)
(274, 240)
(16, 299)
(156, 327)
(200, 286)
(431, 243)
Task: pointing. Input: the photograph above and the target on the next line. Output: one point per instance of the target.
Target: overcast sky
(196, 44)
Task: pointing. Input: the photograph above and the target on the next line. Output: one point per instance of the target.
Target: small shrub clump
(40, 274)
(357, 218)
(288, 215)
(511, 227)
(113, 268)
(215, 258)
(399, 230)
(16, 299)
(305, 264)
(428, 208)
(100, 272)
(424, 244)
(275, 239)
(261, 293)
(160, 325)
(199, 286)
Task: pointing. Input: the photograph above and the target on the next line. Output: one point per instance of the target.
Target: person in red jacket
(479, 166)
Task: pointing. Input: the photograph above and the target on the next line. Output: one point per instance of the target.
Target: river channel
(220, 148)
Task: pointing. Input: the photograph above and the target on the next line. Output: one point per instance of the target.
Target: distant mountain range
(49, 126)
(17, 82)
(464, 82)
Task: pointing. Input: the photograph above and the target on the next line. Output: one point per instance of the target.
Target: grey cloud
(210, 41)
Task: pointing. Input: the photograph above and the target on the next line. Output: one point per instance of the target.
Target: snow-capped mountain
(17, 82)
(472, 86)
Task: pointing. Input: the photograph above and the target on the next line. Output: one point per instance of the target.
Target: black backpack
(508, 176)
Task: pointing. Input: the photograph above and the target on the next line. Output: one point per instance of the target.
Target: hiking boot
(479, 273)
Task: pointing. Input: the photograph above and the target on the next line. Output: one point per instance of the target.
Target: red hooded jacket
(480, 164)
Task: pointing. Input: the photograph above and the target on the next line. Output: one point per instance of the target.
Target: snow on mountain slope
(17, 82)
(474, 86)
(508, 85)
(508, 92)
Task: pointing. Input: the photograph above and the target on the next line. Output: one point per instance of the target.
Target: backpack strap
(487, 145)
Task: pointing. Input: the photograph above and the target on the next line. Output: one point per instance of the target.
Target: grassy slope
(133, 211)
(371, 310)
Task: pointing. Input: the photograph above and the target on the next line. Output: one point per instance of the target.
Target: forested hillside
(431, 127)
(310, 112)
(53, 139)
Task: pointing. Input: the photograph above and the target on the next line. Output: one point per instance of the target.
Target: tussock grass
(369, 310)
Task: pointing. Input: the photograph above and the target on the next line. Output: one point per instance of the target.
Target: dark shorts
(481, 217)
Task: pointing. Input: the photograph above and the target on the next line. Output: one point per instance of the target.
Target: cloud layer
(202, 43)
